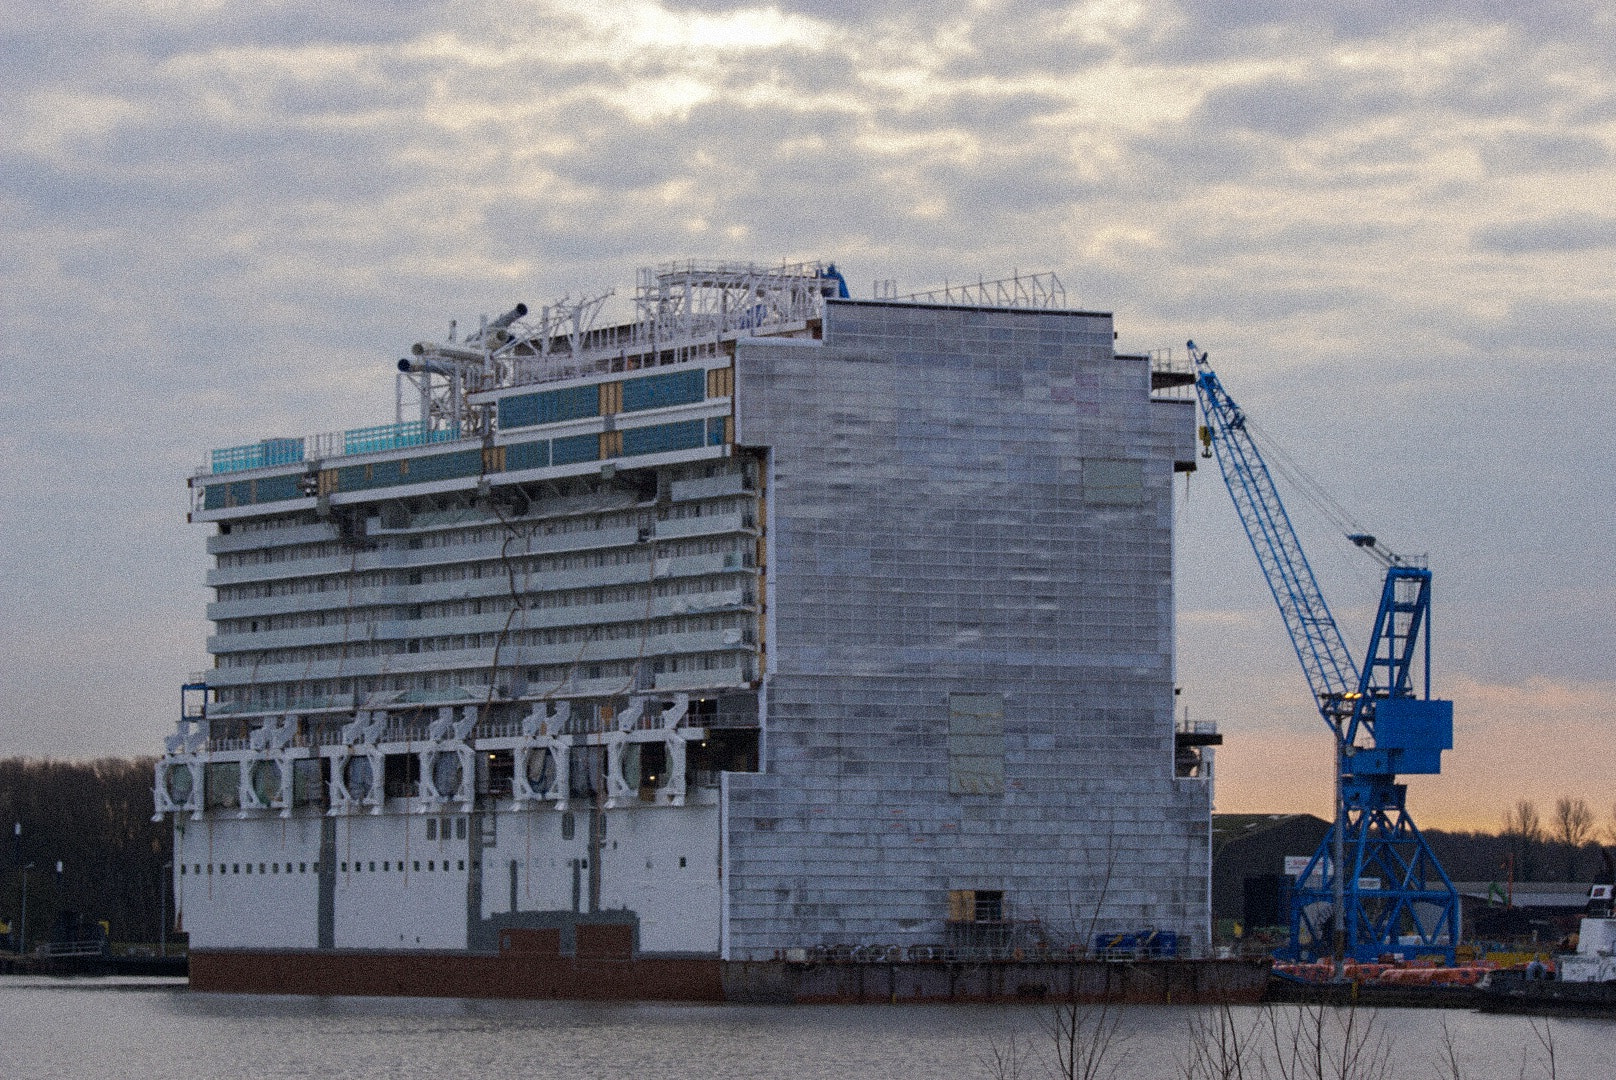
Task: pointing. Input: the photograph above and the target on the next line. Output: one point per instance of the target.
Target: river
(132, 1029)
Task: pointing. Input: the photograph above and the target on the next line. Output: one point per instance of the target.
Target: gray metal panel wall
(930, 534)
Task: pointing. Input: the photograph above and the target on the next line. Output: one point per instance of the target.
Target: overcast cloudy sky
(1392, 224)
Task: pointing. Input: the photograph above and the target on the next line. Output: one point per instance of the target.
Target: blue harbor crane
(1394, 897)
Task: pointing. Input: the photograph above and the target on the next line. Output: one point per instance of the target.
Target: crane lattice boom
(1373, 886)
(1320, 647)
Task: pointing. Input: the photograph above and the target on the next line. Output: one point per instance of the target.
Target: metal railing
(369, 440)
(74, 948)
(258, 455)
(1038, 291)
(365, 440)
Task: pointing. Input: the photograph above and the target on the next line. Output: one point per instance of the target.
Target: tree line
(1567, 844)
(94, 818)
(1560, 846)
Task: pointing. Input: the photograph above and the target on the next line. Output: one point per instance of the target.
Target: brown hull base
(488, 975)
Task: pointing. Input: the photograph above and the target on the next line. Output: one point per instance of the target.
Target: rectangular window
(528, 455)
(660, 391)
(549, 407)
(444, 466)
(221, 782)
(431, 828)
(975, 744)
(575, 449)
(975, 905)
(1113, 483)
(308, 782)
(686, 435)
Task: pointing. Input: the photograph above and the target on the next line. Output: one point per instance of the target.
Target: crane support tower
(1394, 897)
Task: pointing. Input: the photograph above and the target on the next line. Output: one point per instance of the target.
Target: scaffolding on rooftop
(1040, 291)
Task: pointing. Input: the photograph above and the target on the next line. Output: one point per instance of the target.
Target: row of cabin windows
(276, 695)
(625, 631)
(489, 568)
(433, 829)
(199, 869)
(517, 533)
(289, 553)
(387, 865)
(489, 605)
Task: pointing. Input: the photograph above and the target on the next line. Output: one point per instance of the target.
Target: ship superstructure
(764, 622)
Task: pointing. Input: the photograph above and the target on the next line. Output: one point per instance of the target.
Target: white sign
(1369, 884)
(1296, 864)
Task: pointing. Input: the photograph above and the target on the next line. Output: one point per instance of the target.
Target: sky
(1390, 222)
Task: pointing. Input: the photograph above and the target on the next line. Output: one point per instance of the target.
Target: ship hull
(699, 979)
(1512, 992)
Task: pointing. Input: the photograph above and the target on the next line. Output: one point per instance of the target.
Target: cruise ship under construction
(767, 644)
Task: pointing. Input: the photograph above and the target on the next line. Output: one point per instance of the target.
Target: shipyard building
(766, 623)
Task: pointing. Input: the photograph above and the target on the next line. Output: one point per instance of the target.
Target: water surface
(131, 1029)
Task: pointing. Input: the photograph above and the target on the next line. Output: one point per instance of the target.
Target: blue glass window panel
(276, 488)
(575, 448)
(444, 467)
(549, 407)
(686, 435)
(528, 455)
(660, 391)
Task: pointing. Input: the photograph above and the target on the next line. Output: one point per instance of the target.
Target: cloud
(1388, 221)
(1566, 233)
